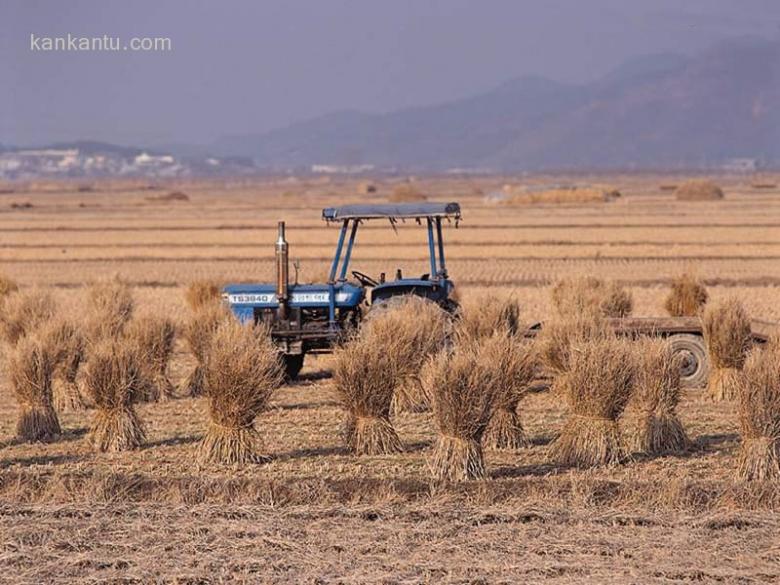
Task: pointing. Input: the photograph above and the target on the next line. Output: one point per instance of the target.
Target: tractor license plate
(251, 299)
(313, 297)
(296, 297)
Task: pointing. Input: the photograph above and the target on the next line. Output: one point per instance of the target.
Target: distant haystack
(169, 197)
(406, 193)
(514, 195)
(698, 190)
(366, 188)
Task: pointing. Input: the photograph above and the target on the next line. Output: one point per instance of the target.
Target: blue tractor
(310, 318)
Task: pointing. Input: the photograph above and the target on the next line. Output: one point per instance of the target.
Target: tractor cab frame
(311, 318)
(434, 285)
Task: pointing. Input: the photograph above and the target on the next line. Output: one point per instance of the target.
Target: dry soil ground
(319, 515)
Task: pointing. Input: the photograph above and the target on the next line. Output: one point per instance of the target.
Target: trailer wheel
(292, 365)
(695, 368)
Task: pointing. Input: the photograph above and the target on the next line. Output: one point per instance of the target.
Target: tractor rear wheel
(695, 368)
(292, 365)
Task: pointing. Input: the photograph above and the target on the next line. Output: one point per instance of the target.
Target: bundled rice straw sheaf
(480, 319)
(698, 190)
(67, 346)
(687, 297)
(517, 362)
(365, 376)
(411, 330)
(484, 316)
(23, 312)
(464, 382)
(759, 416)
(198, 332)
(30, 368)
(555, 340)
(651, 422)
(241, 371)
(727, 333)
(572, 296)
(597, 387)
(7, 286)
(110, 307)
(153, 338)
(113, 379)
(202, 292)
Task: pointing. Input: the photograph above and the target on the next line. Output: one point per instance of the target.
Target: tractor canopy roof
(392, 211)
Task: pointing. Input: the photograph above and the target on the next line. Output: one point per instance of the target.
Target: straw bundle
(202, 292)
(31, 368)
(651, 417)
(110, 308)
(153, 338)
(597, 388)
(198, 333)
(727, 333)
(7, 286)
(113, 380)
(557, 337)
(67, 345)
(517, 363)
(482, 317)
(365, 376)
(412, 330)
(241, 371)
(687, 297)
(22, 313)
(759, 416)
(464, 383)
(572, 296)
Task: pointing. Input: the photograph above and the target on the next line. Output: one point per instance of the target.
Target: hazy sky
(245, 66)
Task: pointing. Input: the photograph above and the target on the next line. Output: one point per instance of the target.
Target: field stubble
(316, 513)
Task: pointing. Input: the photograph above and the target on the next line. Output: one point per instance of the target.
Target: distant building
(740, 165)
(341, 169)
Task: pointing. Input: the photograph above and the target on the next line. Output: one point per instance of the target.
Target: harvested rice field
(315, 512)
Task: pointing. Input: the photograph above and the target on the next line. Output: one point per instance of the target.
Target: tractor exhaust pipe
(282, 272)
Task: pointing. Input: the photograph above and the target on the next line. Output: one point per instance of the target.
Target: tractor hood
(301, 295)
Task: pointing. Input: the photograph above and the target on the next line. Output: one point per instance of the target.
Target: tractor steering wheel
(364, 279)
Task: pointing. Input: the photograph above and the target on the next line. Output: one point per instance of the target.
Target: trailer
(686, 336)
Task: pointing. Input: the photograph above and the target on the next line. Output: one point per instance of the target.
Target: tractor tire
(292, 366)
(695, 369)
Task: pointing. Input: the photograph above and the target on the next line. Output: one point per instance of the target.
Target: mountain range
(663, 111)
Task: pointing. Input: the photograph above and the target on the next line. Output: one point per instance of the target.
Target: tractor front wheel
(292, 365)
